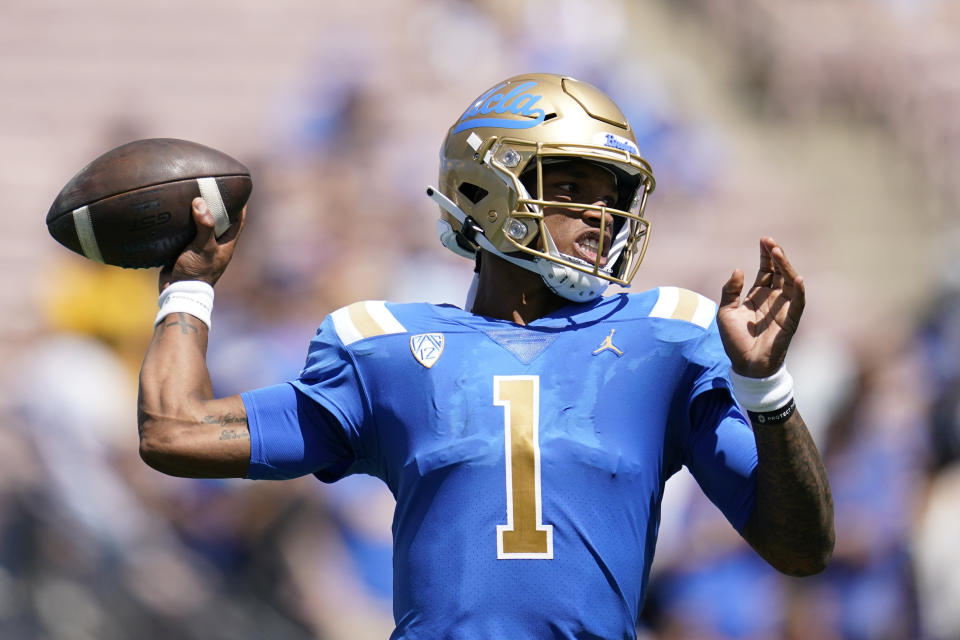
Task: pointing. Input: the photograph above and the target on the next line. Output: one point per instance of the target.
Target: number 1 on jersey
(524, 536)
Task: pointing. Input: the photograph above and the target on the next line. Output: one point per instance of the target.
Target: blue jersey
(528, 462)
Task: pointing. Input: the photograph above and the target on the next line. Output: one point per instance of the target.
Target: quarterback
(526, 437)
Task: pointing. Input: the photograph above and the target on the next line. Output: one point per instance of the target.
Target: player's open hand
(207, 256)
(757, 329)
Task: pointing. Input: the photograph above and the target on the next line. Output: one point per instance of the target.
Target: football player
(527, 437)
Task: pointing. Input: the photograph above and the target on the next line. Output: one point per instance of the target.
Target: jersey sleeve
(291, 436)
(708, 362)
(721, 453)
(314, 424)
(691, 320)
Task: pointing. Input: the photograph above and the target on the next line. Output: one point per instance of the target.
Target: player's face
(576, 232)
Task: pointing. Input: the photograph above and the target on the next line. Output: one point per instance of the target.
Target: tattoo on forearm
(793, 493)
(181, 320)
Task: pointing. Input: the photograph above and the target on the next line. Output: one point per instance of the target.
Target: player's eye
(563, 190)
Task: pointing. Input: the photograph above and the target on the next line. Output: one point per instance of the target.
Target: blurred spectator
(93, 544)
(873, 449)
(936, 554)
(112, 305)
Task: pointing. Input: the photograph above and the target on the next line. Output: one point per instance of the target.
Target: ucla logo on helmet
(490, 109)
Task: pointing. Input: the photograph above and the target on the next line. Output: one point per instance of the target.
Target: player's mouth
(587, 245)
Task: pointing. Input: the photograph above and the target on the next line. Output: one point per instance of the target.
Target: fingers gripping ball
(131, 208)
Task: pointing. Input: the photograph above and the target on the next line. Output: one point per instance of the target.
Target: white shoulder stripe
(666, 302)
(387, 321)
(344, 327)
(705, 313)
(364, 320)
(675, 303)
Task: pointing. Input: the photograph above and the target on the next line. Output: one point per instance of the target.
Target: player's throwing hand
(207, 256)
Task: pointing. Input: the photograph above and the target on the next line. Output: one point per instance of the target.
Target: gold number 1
(524, 536)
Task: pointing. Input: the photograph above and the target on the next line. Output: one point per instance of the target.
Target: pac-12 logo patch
(426, 348)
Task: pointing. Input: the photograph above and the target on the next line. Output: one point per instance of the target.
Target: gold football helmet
(492, 160)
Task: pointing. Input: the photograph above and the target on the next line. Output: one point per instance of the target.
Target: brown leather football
(131, 206)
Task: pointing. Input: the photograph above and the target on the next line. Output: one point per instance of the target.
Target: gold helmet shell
(513, 130)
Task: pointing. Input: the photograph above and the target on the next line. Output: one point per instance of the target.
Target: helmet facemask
(628, 235)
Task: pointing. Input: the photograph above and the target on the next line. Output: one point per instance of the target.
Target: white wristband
(763, 394)
(186, 296)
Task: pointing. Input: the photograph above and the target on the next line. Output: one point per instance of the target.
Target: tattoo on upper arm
(229, 419)
(232, 434)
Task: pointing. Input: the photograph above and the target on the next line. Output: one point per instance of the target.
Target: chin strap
(568, 283)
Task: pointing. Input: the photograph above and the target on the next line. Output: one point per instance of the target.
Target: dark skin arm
(792, 522)
(184, 430)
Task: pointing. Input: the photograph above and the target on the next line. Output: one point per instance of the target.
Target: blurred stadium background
(830, 125)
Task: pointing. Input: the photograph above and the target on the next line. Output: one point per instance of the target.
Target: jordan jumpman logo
(608, 344)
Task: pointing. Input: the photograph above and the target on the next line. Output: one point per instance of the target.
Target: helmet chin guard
(568, 283)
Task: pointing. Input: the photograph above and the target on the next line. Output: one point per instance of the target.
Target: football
(130, 207)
